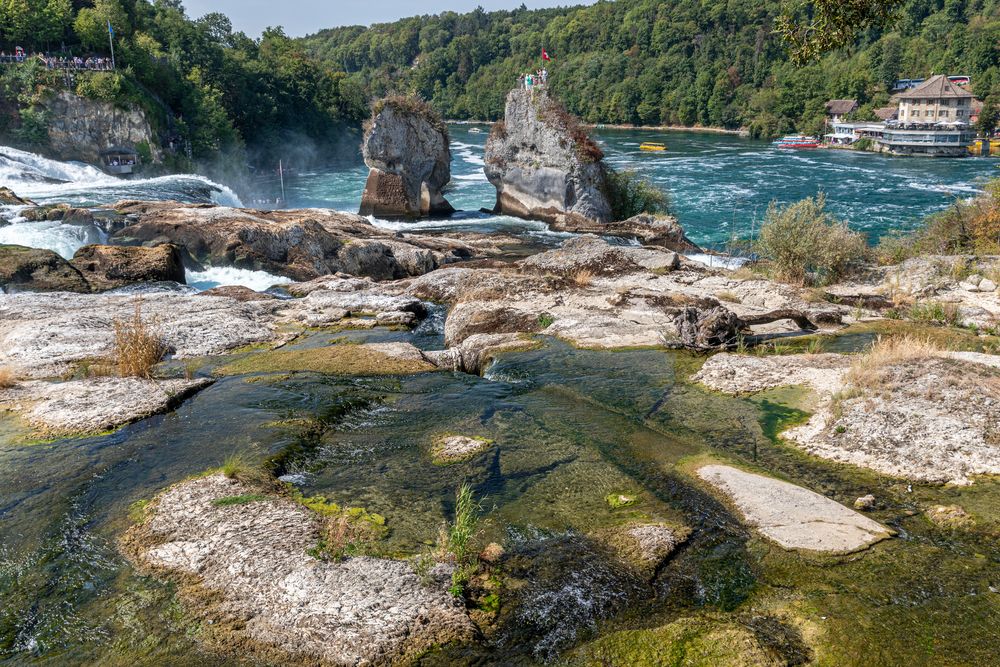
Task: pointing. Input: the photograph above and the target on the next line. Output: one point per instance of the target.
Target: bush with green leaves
(630, 194)
(967, 227)
(103, 86)
(803, 244)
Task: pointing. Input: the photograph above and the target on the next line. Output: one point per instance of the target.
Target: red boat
(797, 141)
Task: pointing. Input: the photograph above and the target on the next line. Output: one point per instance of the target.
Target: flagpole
(111, 41)
(281, 175)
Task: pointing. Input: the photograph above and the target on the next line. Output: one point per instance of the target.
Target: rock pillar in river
(406, 148)
(544, 165)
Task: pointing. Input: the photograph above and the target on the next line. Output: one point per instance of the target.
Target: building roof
(841, 107)
(886, 113)
(935, 87)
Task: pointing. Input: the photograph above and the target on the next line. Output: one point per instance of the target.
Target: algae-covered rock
(37, 270)
(619, 500)
(688, 642)
(950, 516)
(339, 359)
(245, 569)
(406, 149)
(106, 267)
(449, 449)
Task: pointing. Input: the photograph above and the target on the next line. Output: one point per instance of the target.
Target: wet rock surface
(107, 267)
(656, 230)
(457, 448)
(933, 420)
(301, 245)
(44, 335)
(543, 165)
(93, 405)
(792, 516)
(37, 270)
(406, 148)
(363, 610)
(929, 418)
(9, 198)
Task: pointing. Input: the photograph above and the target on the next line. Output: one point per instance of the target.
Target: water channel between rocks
(570, 427)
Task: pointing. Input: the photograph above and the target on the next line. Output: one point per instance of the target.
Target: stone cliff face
(543, 164)
(406, 148)
(80, 128)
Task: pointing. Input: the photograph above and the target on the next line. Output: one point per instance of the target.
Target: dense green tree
(214, 89)
(672, 61)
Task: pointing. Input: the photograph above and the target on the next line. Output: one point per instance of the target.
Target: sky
(302, 17)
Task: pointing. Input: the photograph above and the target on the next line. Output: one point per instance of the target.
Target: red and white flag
(545, 55)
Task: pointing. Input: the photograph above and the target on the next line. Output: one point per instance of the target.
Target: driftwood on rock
(708, 329)
(719, 327)
(796, 316)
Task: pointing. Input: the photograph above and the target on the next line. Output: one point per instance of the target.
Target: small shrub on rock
(968, 227)
(804, 244)
(138, 345)
(7, 378)
(630, 194)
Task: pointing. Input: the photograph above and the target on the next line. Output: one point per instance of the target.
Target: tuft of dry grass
(138, 345)
(726, 295)
(868, 371)
(8, 378)
(583, 277)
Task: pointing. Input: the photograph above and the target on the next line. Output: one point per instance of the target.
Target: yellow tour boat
(653, 147)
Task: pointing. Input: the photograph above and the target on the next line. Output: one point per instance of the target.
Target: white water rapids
(47, 181)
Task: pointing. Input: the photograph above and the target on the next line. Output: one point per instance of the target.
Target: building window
(944, 113)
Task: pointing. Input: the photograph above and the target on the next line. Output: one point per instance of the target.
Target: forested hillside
(684, 62)
(215, 89)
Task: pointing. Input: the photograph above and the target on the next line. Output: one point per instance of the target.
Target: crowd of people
(58, 62)
(533, 80)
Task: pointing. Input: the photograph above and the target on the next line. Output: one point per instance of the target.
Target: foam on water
(48, 181)
(62, 239)
(215, 276)
(719, 261)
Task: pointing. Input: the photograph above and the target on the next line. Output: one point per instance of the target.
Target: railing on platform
(53, 63)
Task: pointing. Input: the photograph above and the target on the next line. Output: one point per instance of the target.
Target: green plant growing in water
(459, 536)
(236, 466)
(619, 500)
(815, 346)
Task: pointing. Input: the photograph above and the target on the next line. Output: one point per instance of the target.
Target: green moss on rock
(333, 359)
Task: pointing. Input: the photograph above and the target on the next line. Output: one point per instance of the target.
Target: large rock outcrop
(9, 198)
(544, 165)
(25, 269)
(406, 148)
(299, 244)
(107, 267)
(80, 128)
